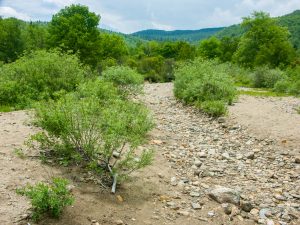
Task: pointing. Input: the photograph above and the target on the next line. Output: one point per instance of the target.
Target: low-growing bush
(48, 199)
(214, 108)
(204, 81)
(263, 77)
(290, 84)
(96, 128)
(126, 79)
(39, 75)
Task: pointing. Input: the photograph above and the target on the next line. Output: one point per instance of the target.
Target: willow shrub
(206, 84)
(98, 128)
(126, 79)
(39, 75)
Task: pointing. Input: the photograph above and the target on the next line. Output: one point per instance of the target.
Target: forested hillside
(291, 21)
(177, 35)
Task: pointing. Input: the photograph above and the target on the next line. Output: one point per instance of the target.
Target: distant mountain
(177, 35)
(129, 39)
(291, 21)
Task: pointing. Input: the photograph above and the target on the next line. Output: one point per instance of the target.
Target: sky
(128, 16)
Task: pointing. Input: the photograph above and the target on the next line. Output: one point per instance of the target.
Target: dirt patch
(270, 117)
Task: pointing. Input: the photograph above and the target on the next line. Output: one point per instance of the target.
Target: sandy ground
(270, 117)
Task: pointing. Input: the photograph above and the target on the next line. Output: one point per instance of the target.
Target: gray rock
(250, 155)
(196, 206)
(194, 194)
(225, 195)
(116, 154)
(221, 120)
(297, 159)
(263, 213)
(246, 206)
(197, 163)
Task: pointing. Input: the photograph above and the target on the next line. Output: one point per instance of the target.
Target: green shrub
(39, 75)
(263, 77)
(48, 198)
(126, 79)
(204, 81)
(96, 128)
(214, 108)
(290, 84)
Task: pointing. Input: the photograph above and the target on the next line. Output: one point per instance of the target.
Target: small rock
(118, 222)
(254, 212)
(246, 206)
(196, 206)
(264, 213)
(197, 163)
(250, 155)
(270, 222)
(221, 120)
(225, 155)
(183, 213)
(297, 159)
(211, 214)
(227, 208)
(194, 194)
(225, 195)
(202, 155)
(116, 154)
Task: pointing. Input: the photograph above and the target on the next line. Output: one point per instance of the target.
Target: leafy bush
(39, 75)
(290, 84)
(96, 128)
(204, 81)
(213, 108)
(48, 198)
(125, 78)
(263, 77)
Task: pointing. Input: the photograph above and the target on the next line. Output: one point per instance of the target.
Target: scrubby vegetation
(98, 128)
(48, 199)
(206, 84)
(39, 75)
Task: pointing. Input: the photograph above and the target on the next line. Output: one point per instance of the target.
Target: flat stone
(225, 195)
(196, 206)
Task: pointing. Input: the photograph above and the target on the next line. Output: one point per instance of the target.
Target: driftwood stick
(114, 186)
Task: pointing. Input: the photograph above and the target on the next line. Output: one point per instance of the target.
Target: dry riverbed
(238, 170)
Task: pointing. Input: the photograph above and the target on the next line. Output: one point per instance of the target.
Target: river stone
(225, 195)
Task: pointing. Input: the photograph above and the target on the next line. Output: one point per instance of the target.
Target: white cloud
(10, 12)
(133, 15)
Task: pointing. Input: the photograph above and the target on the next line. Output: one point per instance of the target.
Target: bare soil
(271, 118)
(145, 196)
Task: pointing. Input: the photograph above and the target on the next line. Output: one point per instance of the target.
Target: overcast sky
(132, 15)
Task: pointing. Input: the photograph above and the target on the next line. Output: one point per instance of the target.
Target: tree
(35, 36)
(210, 48)
(112, 46)
(228, 47)
(264, 43)
(11, 44)
(75, 28)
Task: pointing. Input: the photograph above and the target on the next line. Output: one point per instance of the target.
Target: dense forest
(191, 36)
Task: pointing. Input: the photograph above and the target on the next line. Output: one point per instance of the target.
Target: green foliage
(263, 77)
(264, 43)
(96, 127)
(35, 36)
(210, 48)
(290, 84)
(213, 108)
(112, 46)
(291, 21)
(11, 44)
(48, 198)
(204, 81)
(126, 79)
(75, 28)
(38, 76)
